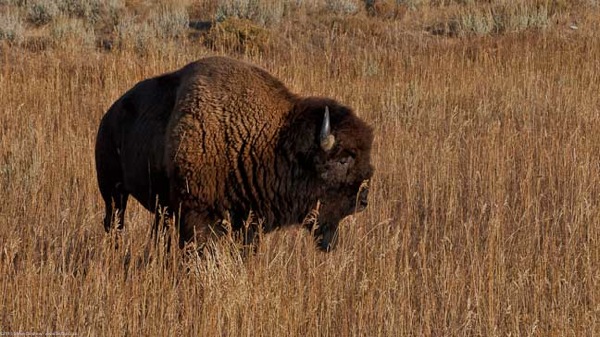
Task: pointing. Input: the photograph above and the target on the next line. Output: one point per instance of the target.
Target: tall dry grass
(484, 212)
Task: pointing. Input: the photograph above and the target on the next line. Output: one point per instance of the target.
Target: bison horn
(326, 138)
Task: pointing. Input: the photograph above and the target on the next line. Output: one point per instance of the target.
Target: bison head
(338, 155)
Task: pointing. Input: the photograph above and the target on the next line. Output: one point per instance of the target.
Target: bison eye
(349, 153)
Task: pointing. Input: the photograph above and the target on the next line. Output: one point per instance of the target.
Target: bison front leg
(162, 220)
(252, 231)
(196, 228)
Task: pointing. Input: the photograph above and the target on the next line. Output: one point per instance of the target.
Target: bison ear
(327, 140)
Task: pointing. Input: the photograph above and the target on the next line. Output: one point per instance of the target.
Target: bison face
(344, 169)
(335, 207)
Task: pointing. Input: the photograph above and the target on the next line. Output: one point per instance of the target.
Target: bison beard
(219, 140)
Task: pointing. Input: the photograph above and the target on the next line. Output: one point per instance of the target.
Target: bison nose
(362, 201)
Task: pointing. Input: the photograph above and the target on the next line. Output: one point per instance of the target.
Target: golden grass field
(484, 216)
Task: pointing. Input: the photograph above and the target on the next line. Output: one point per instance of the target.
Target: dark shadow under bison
(220, 141)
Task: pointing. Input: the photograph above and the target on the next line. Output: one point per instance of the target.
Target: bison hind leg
(115, 201)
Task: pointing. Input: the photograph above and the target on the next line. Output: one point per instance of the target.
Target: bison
(221, 141)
